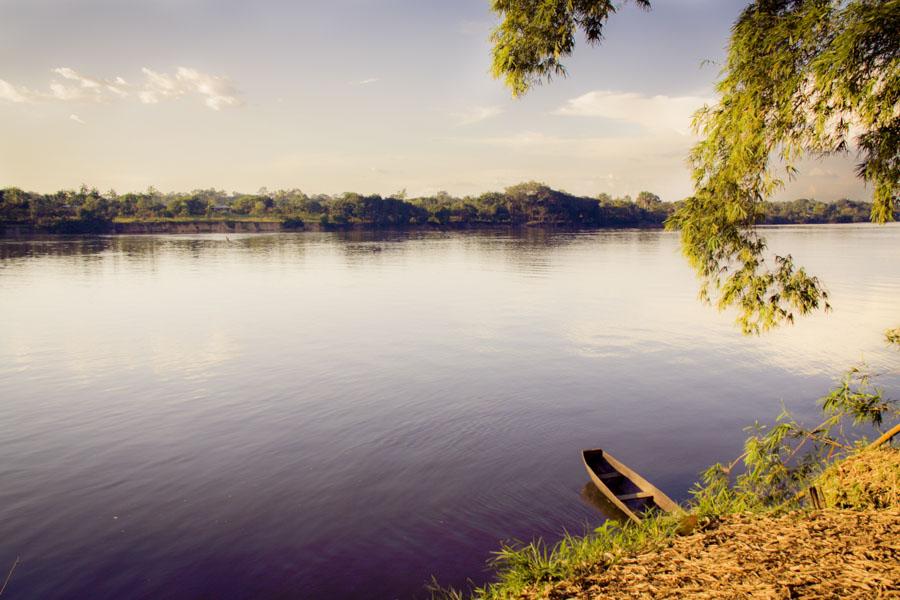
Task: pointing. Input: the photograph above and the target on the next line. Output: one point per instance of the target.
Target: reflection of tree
(147, 251)
(36, 247)
(526, 250)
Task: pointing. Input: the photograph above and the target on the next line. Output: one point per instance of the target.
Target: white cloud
(84, 88)
(157, 86)
(66, 93)
(12, 93)
(368, 81)
(219, 92)
(216, 92)
(656, 113)
(76, 118)
(477, 114)
(72, 75)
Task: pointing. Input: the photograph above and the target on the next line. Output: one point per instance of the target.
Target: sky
(371, 96)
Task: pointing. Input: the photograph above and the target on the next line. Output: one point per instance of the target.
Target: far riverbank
(250, 226)
(87, 211)
(243, 226)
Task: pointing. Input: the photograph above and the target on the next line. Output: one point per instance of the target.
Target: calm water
(340, 416)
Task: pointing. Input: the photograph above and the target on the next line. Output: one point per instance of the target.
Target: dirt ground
(824, 554)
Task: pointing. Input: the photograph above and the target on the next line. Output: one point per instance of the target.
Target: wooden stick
(886, 437)
(9, 576)
(825, 440)
(732, 464)
(815, 498)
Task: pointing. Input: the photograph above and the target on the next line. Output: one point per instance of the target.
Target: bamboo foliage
(781, 461)
(802, 78)
(799, 76)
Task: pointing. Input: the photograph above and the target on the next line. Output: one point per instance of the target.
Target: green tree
(263, 205)
(648, 200)
(147, 206)
(14, 205)
(799, 74)
(244, 205)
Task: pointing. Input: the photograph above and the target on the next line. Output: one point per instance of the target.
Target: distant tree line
(89, 211)
(811, 211)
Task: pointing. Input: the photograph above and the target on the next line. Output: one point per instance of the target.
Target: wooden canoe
(628, 491)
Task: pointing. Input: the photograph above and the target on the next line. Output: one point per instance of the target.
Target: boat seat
(612, 475)
(637, 496)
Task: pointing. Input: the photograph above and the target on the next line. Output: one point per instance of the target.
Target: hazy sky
(350, 95)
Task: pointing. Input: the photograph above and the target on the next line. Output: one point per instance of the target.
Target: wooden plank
(659, 498)
(610, 475)
(637, 496)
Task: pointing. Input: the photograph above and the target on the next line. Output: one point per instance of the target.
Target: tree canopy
(536, 34)
(802, 78)
(526, 204)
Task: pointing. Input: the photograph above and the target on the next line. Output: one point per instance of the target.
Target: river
(327, 415)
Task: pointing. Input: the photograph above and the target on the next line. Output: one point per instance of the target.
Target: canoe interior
(623, 484)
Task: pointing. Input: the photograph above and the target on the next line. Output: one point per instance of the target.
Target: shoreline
(792, 550)
(225, 226)
(12, 230)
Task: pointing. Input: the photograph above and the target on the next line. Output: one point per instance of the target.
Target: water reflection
(594, 498)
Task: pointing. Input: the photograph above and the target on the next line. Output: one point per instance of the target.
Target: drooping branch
(802, 78)
(534, 36)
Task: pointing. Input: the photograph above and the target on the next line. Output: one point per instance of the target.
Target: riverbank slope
(849, 549)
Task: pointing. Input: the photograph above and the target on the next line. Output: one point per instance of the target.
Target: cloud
(477, 114)
(656, 113)
(12, 93)
(216, 92)
(158, 86)
(76, 118)
(368, 81)
(86, 88)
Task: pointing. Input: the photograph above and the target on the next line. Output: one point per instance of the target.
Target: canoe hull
(628, 491)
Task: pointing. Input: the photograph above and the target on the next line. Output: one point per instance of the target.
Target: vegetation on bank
(828, 553)
(785, 470)
(88, 210)
(730, 552)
